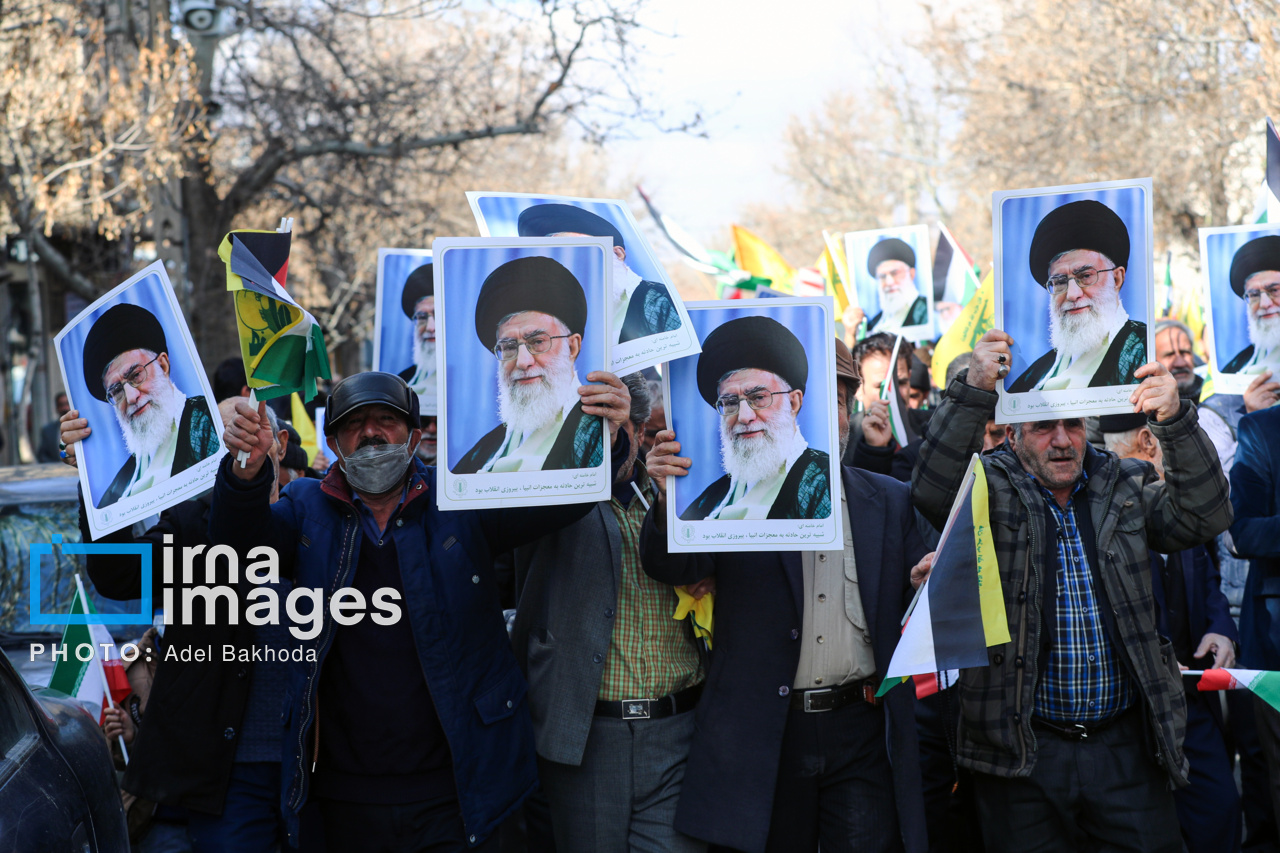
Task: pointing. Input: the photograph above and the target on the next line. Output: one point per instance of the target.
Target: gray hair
(1120, 443)
(655, 393)
(641, 401)
(1170, 323)
(959, 363)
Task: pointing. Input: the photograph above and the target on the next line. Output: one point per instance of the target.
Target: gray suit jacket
(567, 588)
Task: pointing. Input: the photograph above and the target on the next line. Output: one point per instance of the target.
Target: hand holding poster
(1074, 289)
(1241, 267)
(404, 326)
(130, 368)
(646, 318)
(521, 325)
(756, 414)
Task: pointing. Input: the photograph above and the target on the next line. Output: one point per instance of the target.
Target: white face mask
(376, 469)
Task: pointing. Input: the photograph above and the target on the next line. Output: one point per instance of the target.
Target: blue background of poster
(697, 425)
(472, 370)
(1026, 302)
(1230, 312)
(395, 344)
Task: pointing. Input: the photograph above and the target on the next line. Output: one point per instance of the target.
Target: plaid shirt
(1083, 682)
(650, 653)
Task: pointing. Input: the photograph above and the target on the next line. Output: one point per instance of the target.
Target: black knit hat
(543, 220)
(1259, 254)
(759, 343)
(121, 328)
(530, 284)
(1122, 423)
(891, 249)
(1084, 224)
(421, 283)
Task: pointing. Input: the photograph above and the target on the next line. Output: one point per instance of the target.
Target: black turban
(1122, 423)
(420, 283)
(543, 220)
(759, 343)
(121, 328)
(530, 284)
(1087, 225)
(1259, 254)
(891, 249)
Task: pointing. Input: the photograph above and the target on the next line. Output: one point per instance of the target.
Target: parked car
(58, 789)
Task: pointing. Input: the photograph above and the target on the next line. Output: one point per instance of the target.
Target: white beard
(145, 433)
(1075, 335)
(751, 461)
(895, 303)
(524, 408)
(623, 279)
(1264, 332)
(424, 353)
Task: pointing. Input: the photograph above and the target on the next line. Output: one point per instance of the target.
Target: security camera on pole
(206, 23)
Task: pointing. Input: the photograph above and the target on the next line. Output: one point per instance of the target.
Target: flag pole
(102, 670)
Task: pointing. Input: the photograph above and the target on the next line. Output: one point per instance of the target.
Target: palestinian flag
(902, 431)
(1265, 685)
(281, 344)
(89, 681)
(959, 610)
(955, 276)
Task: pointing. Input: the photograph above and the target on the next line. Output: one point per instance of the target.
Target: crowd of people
(593, 720)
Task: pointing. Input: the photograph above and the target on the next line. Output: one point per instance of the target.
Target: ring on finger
(1004, 371)
(1000, 358)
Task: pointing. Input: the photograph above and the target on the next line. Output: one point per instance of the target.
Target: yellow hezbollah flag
(977, 318)
(829, 269)
(761, 260)
(306, 429)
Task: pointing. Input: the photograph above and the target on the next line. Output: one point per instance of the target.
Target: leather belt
(833, 698)
(1078, 731)
(651, 709)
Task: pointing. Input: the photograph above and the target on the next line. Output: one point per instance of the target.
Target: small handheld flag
(954, 276)
(1262, 683)
(902, 431)
(959, 610)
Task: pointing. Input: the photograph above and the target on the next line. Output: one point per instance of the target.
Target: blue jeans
(250, 821)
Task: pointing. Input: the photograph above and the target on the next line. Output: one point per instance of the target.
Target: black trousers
(835, 785)
(432, 826)
(1103, 793)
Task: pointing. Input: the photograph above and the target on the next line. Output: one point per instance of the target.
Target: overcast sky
(750, 65)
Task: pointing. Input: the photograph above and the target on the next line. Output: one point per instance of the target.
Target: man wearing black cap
(410, 724)
(1255, 277)
(531, 313)
(638, 308)
(1079, 253)
(126, 364)
(418, 302)
(1194, 614)
(892, 263)
(753, 370)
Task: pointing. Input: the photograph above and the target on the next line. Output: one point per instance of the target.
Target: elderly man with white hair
(126, 364)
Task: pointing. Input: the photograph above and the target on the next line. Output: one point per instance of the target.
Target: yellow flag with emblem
(977, 318)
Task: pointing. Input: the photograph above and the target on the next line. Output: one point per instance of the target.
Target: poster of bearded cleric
(131, 369)
(755, 412)
(893, 277)
(1074, 289)
(404, 333)
(522, 323)
(647, 318)
(1241, 266)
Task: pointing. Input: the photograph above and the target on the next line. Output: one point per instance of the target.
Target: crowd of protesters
(595, 721)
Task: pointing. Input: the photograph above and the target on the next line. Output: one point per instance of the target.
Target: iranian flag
(1264, 684)
(99, 681)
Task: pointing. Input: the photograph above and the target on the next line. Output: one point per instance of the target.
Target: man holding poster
(1074, 730)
